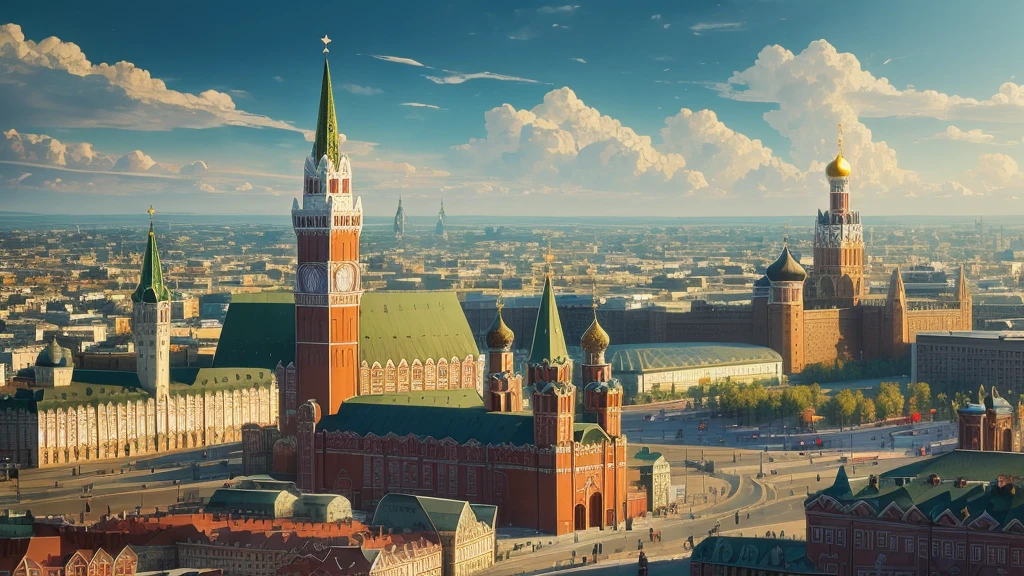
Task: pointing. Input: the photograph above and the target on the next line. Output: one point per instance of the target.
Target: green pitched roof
(548, 340)
(326, 140)
(93, 387)
(228, 499)
(786, 268)
(909, 485)
(151, 286)
(662, 357)
(259, 330)
(455, 414)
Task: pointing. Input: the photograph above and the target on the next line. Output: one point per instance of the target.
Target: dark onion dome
(500, 336)
(786, 269)
(53, 356)
(762, 282)
(595, 339)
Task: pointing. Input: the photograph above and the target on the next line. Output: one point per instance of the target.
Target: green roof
(644, 358)
(588, 433)
(227, 499)
(909, 485)
(326, 140)
(455, 414)
(93, 387)
(548, 340)
(786, 268)
(769, 554)
(259, 329)
(151, 286)
(417, 513)
(646, 455)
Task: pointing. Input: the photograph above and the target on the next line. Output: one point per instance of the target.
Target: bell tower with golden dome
(602, 396)
(837, 278)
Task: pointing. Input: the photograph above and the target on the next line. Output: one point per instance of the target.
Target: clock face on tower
(344, 278)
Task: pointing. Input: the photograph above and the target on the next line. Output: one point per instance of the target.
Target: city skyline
(702, 110)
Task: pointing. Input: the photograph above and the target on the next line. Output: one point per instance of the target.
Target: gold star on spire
(326, 41)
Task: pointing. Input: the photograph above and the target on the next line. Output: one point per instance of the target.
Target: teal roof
(416, 513)
(646, 454)
(768, 554)
(326, 140)
(455, 414)
(230, 499)
(644, 358)
(151, 286)
(548, 340)
(259, 329)
(979, 469)
(585, 433)
(93, 387)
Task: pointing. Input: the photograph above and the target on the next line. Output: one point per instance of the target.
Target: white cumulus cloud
(244, 187)
(975, 136)
(53, 83)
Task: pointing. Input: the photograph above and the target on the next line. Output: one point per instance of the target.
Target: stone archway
(596, 509)
(580, 515)
(826, 289)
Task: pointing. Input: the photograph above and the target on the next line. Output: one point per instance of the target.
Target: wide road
(121, 484)
(673, 536)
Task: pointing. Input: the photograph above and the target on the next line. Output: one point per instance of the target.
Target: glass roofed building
(677, 366)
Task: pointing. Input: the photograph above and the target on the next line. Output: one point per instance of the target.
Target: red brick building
(957, 514)
(550, 469)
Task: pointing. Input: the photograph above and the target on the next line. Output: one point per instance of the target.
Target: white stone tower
(151, 323)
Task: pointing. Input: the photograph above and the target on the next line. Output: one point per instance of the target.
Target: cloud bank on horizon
(555, 148)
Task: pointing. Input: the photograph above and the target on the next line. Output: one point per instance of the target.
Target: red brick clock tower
(327, 279)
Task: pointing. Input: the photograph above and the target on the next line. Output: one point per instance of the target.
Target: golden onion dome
(500, 336)
(595, 339)
(838, 168)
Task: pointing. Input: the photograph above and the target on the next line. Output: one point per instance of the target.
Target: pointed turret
(548, 340)
(897, 292)
(841, 487)
(151, 286)
(963, 289)
(326, 141)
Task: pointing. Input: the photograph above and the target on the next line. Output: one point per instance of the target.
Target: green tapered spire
(326, 141)
(548, 340)
(151, 284)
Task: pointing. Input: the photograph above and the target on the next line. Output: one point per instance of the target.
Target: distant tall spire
(963, 289)
(400, 220)
(441, 229)
(326, 141)
(897, 292)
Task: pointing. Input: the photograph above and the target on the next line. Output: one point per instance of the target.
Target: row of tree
(842, 370)
(757, 403)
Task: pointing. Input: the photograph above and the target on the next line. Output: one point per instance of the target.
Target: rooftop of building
(410, 512)
(770, 554)
(456, 414)
(958, 481)
(977, 334)
(260, 329)
(644, 457)
(643, 358)
(94, 387)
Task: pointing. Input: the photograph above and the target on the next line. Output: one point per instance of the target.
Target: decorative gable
(984, 522)
(915, 516)
(892, 512)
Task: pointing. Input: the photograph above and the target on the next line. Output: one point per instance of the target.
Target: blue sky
(588, 108)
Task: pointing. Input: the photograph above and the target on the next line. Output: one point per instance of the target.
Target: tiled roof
(260, 329)
(662, 357)
(455, 414)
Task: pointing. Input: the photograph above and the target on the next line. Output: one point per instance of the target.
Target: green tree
(866, 410)
(941, 406)
(889, 400)
(846, 405)
(817, 396)
(921, 396)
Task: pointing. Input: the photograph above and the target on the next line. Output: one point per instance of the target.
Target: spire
(326, 140)
(963, 289)
(897, 292)
(548, 340)
(500, 336)
(151, 286)
(839, 140)
(400, 219)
